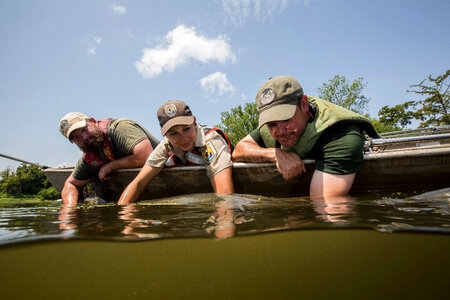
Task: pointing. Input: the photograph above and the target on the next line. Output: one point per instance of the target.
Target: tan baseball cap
(277, 98)
(174, 113)
(72, 121)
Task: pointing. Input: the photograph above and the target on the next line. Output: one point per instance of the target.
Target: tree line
(25, 182)
(433, 110)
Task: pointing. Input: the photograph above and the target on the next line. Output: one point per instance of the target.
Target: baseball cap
(174, 113)
(277, 98)
(72, 121)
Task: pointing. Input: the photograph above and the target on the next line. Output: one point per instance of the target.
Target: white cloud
(184, 45)
(240, 10)
(117, 9)
(216, 82)
(94, 42)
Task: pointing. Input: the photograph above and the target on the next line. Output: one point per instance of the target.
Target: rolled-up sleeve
(159, 156)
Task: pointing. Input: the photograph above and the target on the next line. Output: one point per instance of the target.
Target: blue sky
(125, 58)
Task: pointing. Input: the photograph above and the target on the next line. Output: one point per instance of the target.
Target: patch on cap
(267, 96)
(63, 125)
(170, 109)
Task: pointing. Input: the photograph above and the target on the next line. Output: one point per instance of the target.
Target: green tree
(27, 180)
(343, 93)
(397, 116)
(11, 186)
(435, 108)
(32, 179)
(5, 174)
(382, 127)
(49, 193)
(239, 122)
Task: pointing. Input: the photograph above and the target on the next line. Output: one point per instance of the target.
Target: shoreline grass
(25, 199)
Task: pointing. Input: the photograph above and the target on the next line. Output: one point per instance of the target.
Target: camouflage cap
(72, 121)
(174, 113)
(277, 98)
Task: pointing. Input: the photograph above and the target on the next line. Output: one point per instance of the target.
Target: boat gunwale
(414, 152)
(400, 140)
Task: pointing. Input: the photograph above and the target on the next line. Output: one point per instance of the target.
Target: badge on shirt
(209, 153)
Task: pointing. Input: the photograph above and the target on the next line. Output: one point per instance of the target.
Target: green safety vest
(328, 114)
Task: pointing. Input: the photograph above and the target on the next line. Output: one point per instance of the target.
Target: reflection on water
(221, 217)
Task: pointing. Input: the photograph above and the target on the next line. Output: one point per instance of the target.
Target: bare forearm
(123, 163)
(70, 194)
(138, 185)
(222, 182)
(289, 164)
(247, 152)
(136, 159)
(126, 162)
(72, 189)
(131, 193)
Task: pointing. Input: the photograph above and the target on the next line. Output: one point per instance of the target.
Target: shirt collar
(200, 141)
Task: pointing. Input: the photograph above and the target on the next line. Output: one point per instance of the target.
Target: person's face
(182, 136)
(89, 138)
(288, 132)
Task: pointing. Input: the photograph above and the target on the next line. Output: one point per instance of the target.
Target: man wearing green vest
(293, 126)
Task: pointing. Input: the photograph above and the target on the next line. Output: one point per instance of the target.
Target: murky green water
(208, 246)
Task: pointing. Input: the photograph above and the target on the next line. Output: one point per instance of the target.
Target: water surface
(221, 217)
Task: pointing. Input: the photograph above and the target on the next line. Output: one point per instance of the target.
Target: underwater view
(364, 246)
